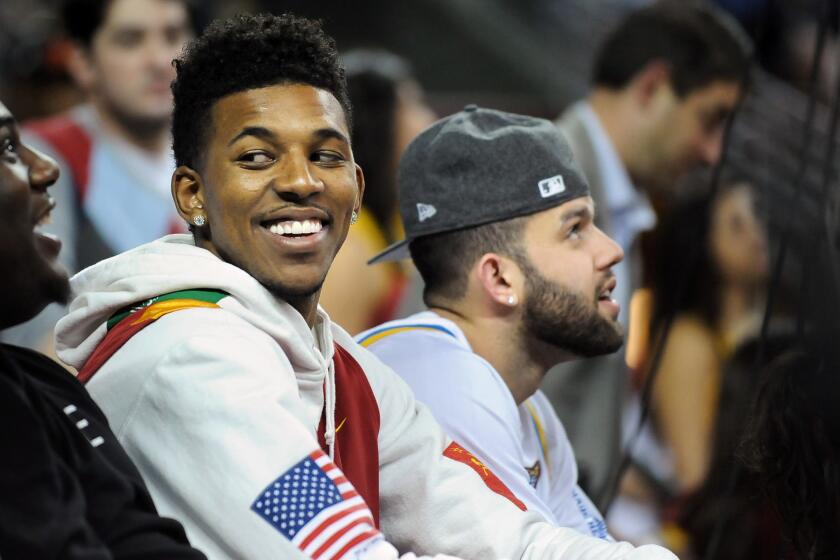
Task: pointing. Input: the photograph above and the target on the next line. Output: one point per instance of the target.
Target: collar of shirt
(152, 170)
(431, 318)
(629, 208)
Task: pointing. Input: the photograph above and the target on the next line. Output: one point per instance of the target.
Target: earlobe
(188, 194)
(650, 79)
(80, 68)
(498, 276)
(360, 186)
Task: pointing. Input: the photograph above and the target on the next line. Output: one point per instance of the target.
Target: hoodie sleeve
(431, 502)
(215, 427)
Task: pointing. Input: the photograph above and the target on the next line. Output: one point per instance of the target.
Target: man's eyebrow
(257, 131)
(327, 133)
(580, 212)
(267, 135)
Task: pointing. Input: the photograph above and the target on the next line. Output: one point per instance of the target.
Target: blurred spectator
(114, 150)
(793, 446)
(67, 488)
(665, 80)
(720, 306)
(730, 510)
(719, 247)
(388, 112)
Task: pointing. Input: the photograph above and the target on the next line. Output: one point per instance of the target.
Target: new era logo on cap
(551, 186)
(425, 211)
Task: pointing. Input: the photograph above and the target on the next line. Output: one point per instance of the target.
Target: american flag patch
(316, 507)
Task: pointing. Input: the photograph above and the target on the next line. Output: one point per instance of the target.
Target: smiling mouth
(49, 243)
(44, 214)
(294, 228)
(606, 292)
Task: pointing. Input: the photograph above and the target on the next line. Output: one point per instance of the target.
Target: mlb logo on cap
(551, 186)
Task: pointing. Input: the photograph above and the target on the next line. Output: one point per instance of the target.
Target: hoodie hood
(174, 263)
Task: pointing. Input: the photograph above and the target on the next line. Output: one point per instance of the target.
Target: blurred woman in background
(720, 308)
(388, 112)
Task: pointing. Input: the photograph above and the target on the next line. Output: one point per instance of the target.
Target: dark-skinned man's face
(32, 277)
(277, 186)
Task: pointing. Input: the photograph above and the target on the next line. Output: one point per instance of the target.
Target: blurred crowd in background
(700, 244)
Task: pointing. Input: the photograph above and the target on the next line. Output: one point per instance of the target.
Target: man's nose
(610, 253)
(295, 177)
(43, 171)
(161, 52)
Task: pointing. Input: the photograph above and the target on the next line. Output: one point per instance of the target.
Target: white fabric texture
(474, 405)
(213, 404)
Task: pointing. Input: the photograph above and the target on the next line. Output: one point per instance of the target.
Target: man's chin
(55, 284)
(294, 293)
(31, 297)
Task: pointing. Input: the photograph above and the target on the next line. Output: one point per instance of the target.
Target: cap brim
(395, 252)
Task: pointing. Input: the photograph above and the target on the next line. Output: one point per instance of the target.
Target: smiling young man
(514, 284)
(260, 424)
(67, 488)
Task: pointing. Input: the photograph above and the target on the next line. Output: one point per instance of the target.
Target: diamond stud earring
(511, 300)
(199, 220)
(354, 217)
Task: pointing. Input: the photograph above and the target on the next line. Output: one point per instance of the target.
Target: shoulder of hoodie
(215, 325)
(379, 375)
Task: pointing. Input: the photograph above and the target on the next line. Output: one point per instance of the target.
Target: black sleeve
(42, 506)
(68, 490)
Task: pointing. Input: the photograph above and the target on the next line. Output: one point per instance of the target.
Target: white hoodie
(216, 404)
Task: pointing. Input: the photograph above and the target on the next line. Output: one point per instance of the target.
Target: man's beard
(289, 294)
(559, 317)
(143, 128)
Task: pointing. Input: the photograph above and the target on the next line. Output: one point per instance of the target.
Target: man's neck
(495, 340)
(307, 306)
(609, 108)
(150, 136)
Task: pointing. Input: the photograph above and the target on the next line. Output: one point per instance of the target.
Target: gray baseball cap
(480, 166)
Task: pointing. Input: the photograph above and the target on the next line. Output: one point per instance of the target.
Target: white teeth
(295, 227)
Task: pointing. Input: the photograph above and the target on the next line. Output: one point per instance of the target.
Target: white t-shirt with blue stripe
(525, 445)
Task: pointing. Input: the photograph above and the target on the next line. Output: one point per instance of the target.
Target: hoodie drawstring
(329, 409)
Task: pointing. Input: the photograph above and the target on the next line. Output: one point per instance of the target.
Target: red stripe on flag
(329, 521)
(355, 541)
(317, 454)
(340, 480)
(343, 531)
(349, 494)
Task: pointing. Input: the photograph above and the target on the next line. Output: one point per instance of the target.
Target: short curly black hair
(248, 52)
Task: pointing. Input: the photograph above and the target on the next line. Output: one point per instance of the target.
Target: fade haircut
(242, 53)
(700, 43)
(445, 259)
(83, 18)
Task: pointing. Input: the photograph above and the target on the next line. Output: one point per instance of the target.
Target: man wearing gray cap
(500, 225)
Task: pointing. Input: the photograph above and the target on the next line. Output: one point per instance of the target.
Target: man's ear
(647, 84)
(499, 279)
(188, 193)
(80, 67)
(360, 184)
